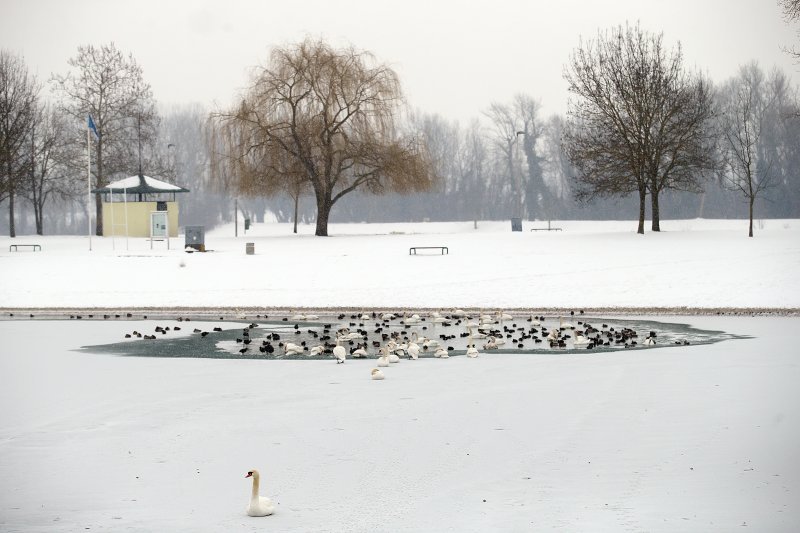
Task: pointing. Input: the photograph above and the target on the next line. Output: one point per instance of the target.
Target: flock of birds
(391, 336)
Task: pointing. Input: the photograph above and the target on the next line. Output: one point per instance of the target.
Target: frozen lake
(693, 438)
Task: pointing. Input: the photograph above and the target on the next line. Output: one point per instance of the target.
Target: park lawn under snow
(695, 438)
(691, 263)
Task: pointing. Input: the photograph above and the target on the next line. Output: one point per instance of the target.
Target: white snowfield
(690, 263)
(700, 438)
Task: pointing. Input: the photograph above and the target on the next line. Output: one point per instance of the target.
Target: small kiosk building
(140, 206)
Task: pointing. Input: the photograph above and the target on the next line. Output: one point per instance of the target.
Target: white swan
(580, 340)
(413, 347)
(501, 316)
(413, 319)
(292, 349)
(441, 352)
(430, 344)
(383, 360)
(437, 318)
(259, 505)
(491, 344)
(485, 320)
(339, 352)
(472, 351)
(316, 350)
(477, 335)
(377, 374)
(360, 352)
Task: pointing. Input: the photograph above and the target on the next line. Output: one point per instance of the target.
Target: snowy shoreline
(245, 313)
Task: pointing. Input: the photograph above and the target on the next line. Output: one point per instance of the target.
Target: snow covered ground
(696, 438)
(691, 263)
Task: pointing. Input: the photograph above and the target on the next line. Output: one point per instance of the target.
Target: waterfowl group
(412, 336)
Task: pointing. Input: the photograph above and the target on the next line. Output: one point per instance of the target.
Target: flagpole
(89, 184)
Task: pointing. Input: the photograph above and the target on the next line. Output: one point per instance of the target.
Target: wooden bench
(33, 247)
(413, 249)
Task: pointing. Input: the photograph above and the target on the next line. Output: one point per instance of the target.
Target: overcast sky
(453, 57)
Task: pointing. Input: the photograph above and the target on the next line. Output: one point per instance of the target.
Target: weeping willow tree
(319, 119)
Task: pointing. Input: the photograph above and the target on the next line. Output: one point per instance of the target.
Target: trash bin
(516, 224)
(250, 248)
(195, 237)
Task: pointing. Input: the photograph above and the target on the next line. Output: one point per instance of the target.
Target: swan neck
(256, 482)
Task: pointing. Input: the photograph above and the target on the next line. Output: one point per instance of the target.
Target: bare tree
(751, 109)
(110, 87)
(51, 160)
(18, 96)
(333, 113)
(637, 120)
(507, 130)
(557, 169)
(791, 12)
(537, 195)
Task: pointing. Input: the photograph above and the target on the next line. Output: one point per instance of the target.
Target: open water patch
(363, 336)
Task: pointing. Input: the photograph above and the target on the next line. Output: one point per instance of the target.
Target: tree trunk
(38, 214)
(656, 224)
(642, 198)
(752, 201)
(296, 201)
(323, 212)
(702, 205)
(12, 230)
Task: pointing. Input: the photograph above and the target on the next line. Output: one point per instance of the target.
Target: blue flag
(93, 128)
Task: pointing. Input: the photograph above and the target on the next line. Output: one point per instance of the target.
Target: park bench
(413, 249)
(33, 247)
(548, 228)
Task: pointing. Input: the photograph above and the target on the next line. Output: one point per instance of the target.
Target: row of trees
(328, 124)
(639, 123)
(43, 142)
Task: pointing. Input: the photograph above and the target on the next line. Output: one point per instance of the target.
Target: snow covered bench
(33, 247)
(413, 249)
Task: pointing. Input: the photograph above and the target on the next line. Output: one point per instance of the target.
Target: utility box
(196, 237)
(516, 224)
(250, 248)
